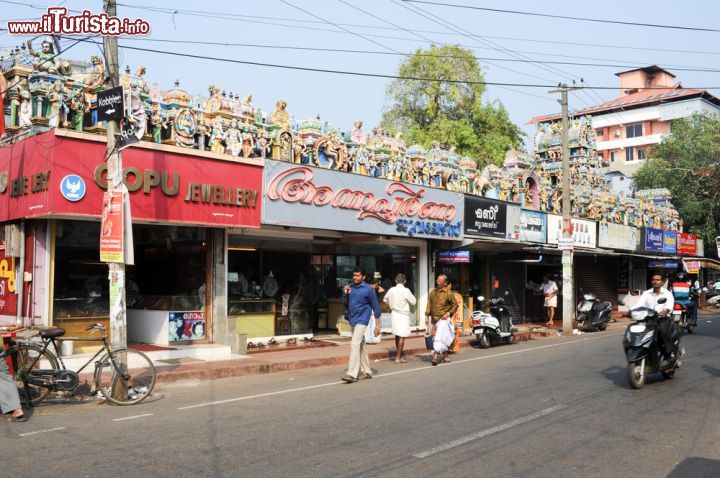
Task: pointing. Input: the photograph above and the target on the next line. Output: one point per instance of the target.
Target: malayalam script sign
(686, 244)
(669, 242)
(533, 226)
(653, 239)
(310, 197)
(454, 257)
(488, 217)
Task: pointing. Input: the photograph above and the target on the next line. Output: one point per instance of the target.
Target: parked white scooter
(495, 327)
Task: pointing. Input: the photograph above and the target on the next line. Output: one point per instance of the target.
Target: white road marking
(133, 417)
(487, 432)
(41, 431)
(388, 374)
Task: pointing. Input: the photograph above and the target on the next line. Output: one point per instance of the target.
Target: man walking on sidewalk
(360, 300)
(400, 299)
(441, 303)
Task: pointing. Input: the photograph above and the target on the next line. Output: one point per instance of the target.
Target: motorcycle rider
(649, 299)
(683, 293)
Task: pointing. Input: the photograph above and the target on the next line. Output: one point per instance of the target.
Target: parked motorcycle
(593, 314)
(494, 327)
(643, 350)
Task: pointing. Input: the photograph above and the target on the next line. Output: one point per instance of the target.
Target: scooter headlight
(585, 307)
(639, 314)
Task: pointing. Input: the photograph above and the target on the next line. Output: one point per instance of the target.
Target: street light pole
(568, 289)
(118, 328)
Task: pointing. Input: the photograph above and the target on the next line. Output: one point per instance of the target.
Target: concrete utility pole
(118, 327)
(568, 289)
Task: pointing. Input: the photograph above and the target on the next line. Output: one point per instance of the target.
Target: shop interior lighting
(242, 249)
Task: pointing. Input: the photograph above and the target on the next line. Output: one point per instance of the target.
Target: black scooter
(593, 314)
(643, 350)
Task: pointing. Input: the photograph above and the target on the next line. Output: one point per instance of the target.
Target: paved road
(548, 408)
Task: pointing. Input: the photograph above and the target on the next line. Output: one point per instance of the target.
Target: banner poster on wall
(111, 228)
(186, 326)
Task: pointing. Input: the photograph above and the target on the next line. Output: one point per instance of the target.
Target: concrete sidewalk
(330, 351)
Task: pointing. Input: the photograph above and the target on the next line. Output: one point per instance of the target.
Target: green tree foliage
(687, 162)
(448, 112)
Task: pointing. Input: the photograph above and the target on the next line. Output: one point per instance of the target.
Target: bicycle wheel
(27, 353)
(125, 377)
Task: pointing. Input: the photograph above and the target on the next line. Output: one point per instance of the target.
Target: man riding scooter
(683, 293)
(649, 299)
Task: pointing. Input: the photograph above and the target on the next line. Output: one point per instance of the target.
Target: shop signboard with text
(618, 236)
(8, 291)
(454, 257)
(653, 239)
(310, 197)
(490, 217)
(686, 244)
(186, 326)
(62, 175)
(584, 232)
(533, 226)
(669, 242)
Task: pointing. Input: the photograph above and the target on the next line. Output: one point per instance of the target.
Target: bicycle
(124, 377)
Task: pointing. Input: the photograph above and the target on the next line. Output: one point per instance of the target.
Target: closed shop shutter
(598, 275)
(511, 277)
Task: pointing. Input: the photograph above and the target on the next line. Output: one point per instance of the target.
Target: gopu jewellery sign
(317, 198)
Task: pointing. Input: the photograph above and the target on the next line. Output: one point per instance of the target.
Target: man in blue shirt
(361, 301)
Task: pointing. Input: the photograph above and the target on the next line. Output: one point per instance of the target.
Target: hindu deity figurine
(25, 113)
(280, 116)
(157, 123)
(247, 146)
(214, 103)
(232, 138)
(138, 116)
(97, 75)
(56, 101)
(262, 145)
(78, 107)
(216, 136)
(357, 135)
(201, 131)
(299, 150)
(45, 60)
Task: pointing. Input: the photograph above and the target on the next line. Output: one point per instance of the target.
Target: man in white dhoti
(400, 299)
(444, 337)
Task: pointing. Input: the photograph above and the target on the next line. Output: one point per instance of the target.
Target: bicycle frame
(48, 341)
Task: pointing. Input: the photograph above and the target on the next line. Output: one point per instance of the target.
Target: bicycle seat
(52, 333)
(95, 326)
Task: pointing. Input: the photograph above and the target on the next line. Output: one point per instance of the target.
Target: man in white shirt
(549, 288)
(649, 299)
(399, 298)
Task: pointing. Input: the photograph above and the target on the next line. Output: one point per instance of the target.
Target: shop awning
(694, 264)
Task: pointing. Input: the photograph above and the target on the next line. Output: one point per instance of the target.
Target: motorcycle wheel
(485, 341)
(602, 326)
(581, 325)
(690, 328)
(636, 374)
(668, 374)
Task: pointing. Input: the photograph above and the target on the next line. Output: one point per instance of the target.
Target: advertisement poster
(686, 244)
(533, 226)
(111, 228)
(653, 239)
(186, 326)
(584, 232)
(618, 236)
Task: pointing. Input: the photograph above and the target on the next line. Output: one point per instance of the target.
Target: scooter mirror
(481, 298)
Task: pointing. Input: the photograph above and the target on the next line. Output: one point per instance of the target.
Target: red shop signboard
(49, 175)
(8, 291)
(686, 244)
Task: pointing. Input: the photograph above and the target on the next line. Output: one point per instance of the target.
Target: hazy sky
(342, 99)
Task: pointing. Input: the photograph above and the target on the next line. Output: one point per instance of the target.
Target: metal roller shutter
(599, 275)
(511, 277)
